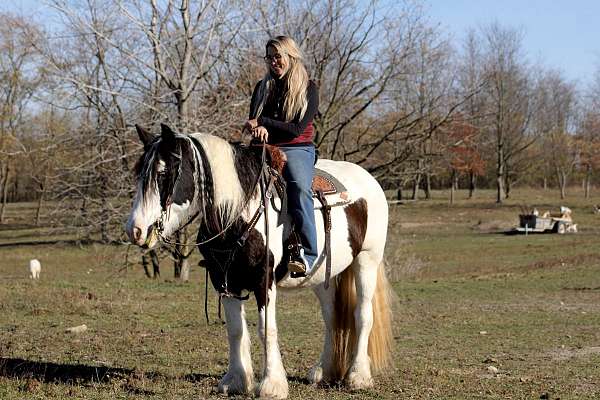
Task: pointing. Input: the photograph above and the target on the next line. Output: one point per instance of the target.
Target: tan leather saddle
(327, 184)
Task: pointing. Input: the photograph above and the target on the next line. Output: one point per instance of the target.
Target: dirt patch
(578, 259)
(567, 354)
(492, 226)
(404, 266)
(410, 225)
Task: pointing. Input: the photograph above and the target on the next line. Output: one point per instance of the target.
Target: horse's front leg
(239, 377)
(274, 380)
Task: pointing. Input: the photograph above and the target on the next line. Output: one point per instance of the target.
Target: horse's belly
(363, 187)
(341, 251)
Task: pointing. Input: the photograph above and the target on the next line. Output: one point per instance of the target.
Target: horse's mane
(226, 173)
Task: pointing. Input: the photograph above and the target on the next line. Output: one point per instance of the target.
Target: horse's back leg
(323, 371)
(239, 377)
(274, 383)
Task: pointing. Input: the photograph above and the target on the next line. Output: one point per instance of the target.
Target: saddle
(324, 186)
(327, 184)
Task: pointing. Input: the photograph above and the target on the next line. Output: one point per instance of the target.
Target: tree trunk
(587, 184)
(104, 216)
(155, 264)
(185, 270)
(452, 186)
(471, 184)
(38, 211)
(561, 176)
(399, 193)
(545, 183)
(181, 264)
(416, 185)
(500, 169)
(508, 187)
(428, 186)
(4, 191)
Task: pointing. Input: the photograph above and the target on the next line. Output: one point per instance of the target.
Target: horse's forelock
(145, 169)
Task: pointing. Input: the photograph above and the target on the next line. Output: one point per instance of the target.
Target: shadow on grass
(64, 373)
(80, 374)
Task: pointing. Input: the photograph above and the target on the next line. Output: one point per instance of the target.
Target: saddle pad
(326, 183)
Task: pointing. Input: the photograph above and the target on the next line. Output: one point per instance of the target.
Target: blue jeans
(298, 173)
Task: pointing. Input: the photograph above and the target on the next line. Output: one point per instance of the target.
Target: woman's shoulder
(312, 86)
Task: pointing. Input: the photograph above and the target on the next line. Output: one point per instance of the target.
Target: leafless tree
(19, 79)
(555, 123)
(509, 104)
(133, 59)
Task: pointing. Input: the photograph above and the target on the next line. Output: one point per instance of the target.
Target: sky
(560, 34)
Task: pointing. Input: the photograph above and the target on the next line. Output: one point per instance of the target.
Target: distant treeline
(396, 96)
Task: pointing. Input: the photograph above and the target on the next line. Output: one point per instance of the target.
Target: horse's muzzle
(138, 237)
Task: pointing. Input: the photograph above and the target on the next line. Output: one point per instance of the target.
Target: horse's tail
(344, 331)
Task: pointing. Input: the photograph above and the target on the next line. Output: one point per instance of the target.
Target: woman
(283, 106)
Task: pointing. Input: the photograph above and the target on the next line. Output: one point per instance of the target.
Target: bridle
(266, 179)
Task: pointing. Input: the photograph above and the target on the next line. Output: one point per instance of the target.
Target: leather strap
(326, 210)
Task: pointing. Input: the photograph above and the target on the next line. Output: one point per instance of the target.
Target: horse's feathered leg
(239, 377)
(323, 371)
(274, 382)
(365, 268)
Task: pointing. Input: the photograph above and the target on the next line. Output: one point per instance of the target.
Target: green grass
(469, 297)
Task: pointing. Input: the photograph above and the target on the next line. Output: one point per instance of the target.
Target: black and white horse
(181, 177)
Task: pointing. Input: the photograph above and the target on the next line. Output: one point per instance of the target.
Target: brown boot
(297, 266)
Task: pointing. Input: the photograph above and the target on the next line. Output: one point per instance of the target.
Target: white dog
(34, 269)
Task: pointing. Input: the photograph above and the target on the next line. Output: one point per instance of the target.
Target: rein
(266, 180)
(159, 225)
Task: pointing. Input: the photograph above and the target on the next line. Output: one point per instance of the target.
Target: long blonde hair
(295, 80)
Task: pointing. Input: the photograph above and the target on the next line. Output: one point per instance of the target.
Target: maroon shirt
(298, 131)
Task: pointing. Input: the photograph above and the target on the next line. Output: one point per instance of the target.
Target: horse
(200, 177)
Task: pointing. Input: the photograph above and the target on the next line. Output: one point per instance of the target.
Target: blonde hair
(295, 80)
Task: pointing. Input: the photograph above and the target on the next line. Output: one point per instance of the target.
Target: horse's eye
(161, 175)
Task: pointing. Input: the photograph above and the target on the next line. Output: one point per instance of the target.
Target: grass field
(468, 298)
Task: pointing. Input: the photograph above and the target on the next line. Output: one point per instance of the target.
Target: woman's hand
(250, 125)
(260, 132)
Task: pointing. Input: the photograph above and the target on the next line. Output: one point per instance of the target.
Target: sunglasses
(276, 57)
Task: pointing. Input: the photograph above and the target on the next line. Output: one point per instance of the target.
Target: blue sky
(562, 34)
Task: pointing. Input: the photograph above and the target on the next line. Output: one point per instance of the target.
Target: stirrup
(297, 266)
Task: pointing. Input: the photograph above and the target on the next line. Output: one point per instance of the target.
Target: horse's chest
(234, 269)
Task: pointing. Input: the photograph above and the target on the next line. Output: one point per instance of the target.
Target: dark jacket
(295, 132)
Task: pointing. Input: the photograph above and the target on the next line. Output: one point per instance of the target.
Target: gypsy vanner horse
(181, 177)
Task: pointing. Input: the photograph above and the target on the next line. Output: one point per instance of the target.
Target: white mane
(228, 193)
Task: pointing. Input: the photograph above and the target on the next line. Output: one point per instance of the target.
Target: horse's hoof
(273, 388)
(355, 380)
(319, 375)
(235, 383)
(315, 375)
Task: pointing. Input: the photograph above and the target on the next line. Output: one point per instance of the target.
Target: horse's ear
(167, 133)
(145, 136)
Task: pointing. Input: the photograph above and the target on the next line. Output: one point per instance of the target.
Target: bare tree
(555, 123)
(509, 104)
(19, 79)
(141, 59)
